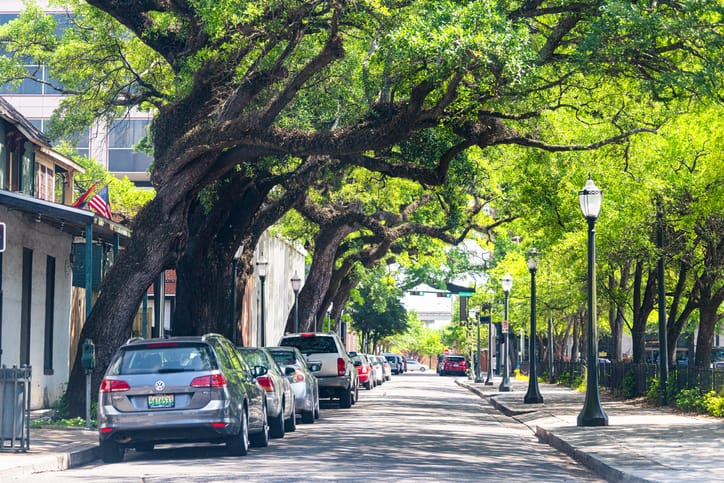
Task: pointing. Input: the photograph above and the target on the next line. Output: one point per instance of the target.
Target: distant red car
(453, 364)
(364, 370)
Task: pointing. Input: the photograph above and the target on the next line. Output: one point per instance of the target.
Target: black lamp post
(592, 413)
(296, 285)
(533, 395)
(234, 288)
(478, 363)
(507, 284)
(261, 265)
(489, 376)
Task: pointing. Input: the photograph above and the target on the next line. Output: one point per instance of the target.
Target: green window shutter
(27, 170)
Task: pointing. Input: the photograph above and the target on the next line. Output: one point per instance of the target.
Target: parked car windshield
(163, 358)
(311, 345)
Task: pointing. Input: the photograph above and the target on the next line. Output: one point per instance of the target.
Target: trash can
(15, 408)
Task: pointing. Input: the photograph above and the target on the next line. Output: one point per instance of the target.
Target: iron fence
(15, 408)
(633, 380)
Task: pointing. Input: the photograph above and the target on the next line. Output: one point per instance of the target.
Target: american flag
(100, 204)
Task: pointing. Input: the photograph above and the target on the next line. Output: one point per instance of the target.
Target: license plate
(159, 401)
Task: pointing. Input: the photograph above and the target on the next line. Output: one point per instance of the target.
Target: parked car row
(373, 370)
(203, 389)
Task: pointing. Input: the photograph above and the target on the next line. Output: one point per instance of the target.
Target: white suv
(337, 377)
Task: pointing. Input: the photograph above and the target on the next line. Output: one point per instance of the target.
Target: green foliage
(375, 307)
(629, 384)
(707, 403)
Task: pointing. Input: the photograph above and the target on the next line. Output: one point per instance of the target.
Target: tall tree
(231, 82)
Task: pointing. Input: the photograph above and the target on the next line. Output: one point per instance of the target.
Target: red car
(453, 364)
(364, 370)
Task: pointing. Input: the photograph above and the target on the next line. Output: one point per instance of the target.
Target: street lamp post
(489, 376)
(592, 413)
(262, 265)
(296, 285)
(234, 288)
(478, 363)
(507, 283)
(533, 395)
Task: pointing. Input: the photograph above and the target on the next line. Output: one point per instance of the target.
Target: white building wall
(284, 260)
(44, 240)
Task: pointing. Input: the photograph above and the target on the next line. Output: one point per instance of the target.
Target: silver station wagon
(180, 390)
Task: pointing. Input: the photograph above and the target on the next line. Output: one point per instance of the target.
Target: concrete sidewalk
(639, 445)
(50, 450)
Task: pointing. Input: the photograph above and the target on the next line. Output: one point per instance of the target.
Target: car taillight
(341, 367)
(212, 380)
(266, 383)
(112, 385)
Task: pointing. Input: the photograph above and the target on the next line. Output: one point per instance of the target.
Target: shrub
(714, 404)
(690, 400)
(629, 385)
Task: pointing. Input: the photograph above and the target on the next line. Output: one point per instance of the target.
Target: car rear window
(456, 358)
(284, 358)
(160, 358)
(311, 344)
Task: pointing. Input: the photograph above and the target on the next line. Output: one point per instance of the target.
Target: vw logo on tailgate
(160, 385)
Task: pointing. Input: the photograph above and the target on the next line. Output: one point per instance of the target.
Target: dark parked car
(396, 363)
(280, 403)
(180, 390)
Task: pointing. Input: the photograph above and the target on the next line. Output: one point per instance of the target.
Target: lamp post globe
(507, 283)
(261, 266)
(296, 285)
(592, 414)
(533, 395)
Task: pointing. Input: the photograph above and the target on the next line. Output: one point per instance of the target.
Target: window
(25, 306)
(40, 72)
(80, 140)
(49, 314)
(122, 137)
(46, 183)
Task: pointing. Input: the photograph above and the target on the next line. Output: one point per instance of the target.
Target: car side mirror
(259, 371)
(289, 370)
(315, 366)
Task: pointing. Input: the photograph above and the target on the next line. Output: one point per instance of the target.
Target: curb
(72, 458)
(595, 464)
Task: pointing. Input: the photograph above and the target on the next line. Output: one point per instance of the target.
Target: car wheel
(290, 425)
(368, 385)
(261, 439)
(345, 398)
(308, 417)
(238, 445)
(111, 452)
(276, 425)
(356, 393)
(422, 369)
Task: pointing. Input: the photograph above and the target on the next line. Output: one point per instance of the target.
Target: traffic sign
(505, 326)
